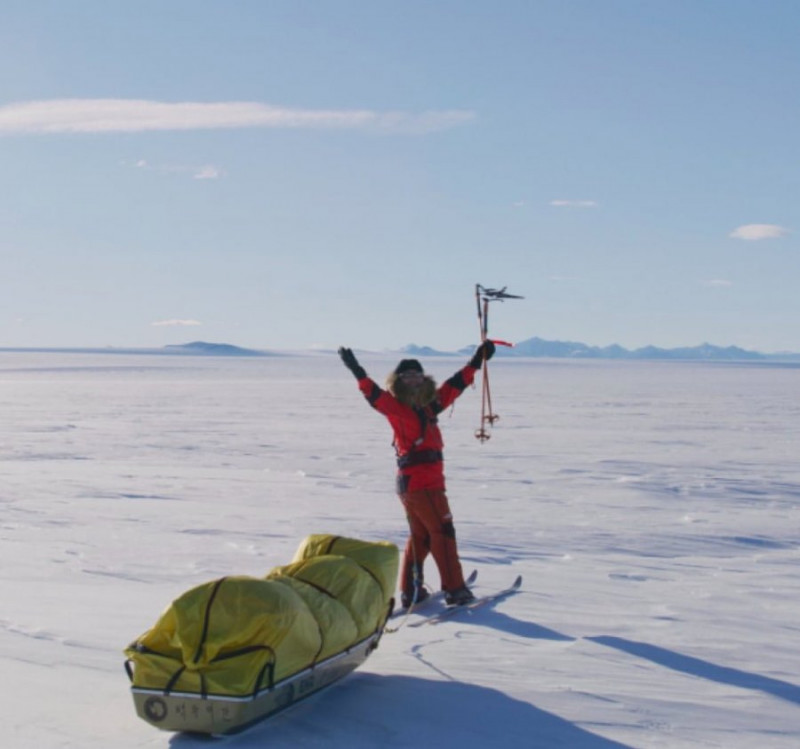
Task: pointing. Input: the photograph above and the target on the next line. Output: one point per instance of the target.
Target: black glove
(483, 353)
(350, 361)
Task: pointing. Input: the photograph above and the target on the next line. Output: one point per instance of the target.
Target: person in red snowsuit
(412, 402)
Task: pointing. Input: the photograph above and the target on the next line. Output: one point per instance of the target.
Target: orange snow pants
(431, 525)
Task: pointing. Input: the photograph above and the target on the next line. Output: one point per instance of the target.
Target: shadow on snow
(491, 617)
(704, 669)
(369, 710)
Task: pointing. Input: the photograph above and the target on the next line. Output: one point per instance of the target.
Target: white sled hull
(219, 714)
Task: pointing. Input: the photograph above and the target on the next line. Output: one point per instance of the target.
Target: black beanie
(407, 365)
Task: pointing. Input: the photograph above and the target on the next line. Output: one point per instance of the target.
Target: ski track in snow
(652, 509)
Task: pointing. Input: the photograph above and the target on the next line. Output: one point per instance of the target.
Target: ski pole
(487, 415)
(486, 295)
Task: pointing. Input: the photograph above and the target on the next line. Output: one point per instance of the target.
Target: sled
(232, 652)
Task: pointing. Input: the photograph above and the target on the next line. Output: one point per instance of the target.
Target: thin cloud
(574, 203)
(175, 323)
(56, 116)
(754, 232)
(207, 171)
(718, 283)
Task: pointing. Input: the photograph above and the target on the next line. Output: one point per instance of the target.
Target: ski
(432, 598)
(445, 614)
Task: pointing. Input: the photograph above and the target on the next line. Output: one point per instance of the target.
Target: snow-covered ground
(651, 507)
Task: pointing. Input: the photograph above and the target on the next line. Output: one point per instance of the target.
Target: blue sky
(288, 174)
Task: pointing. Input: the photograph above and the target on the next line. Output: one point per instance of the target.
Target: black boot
(459, 596)
(407, 599)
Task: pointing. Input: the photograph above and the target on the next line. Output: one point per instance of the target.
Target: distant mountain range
(203, 348)
(195, 348)
(532, 347)
(538, 347)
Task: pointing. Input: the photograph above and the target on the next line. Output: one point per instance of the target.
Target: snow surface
(651, 507)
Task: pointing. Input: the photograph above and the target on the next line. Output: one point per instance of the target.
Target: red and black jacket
(417, 438)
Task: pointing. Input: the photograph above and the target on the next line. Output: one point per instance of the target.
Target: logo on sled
(156, 709)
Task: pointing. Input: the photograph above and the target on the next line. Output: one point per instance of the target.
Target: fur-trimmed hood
(418, 397)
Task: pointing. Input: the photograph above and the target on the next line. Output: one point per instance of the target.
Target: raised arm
(349, 359)
(455, 385)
